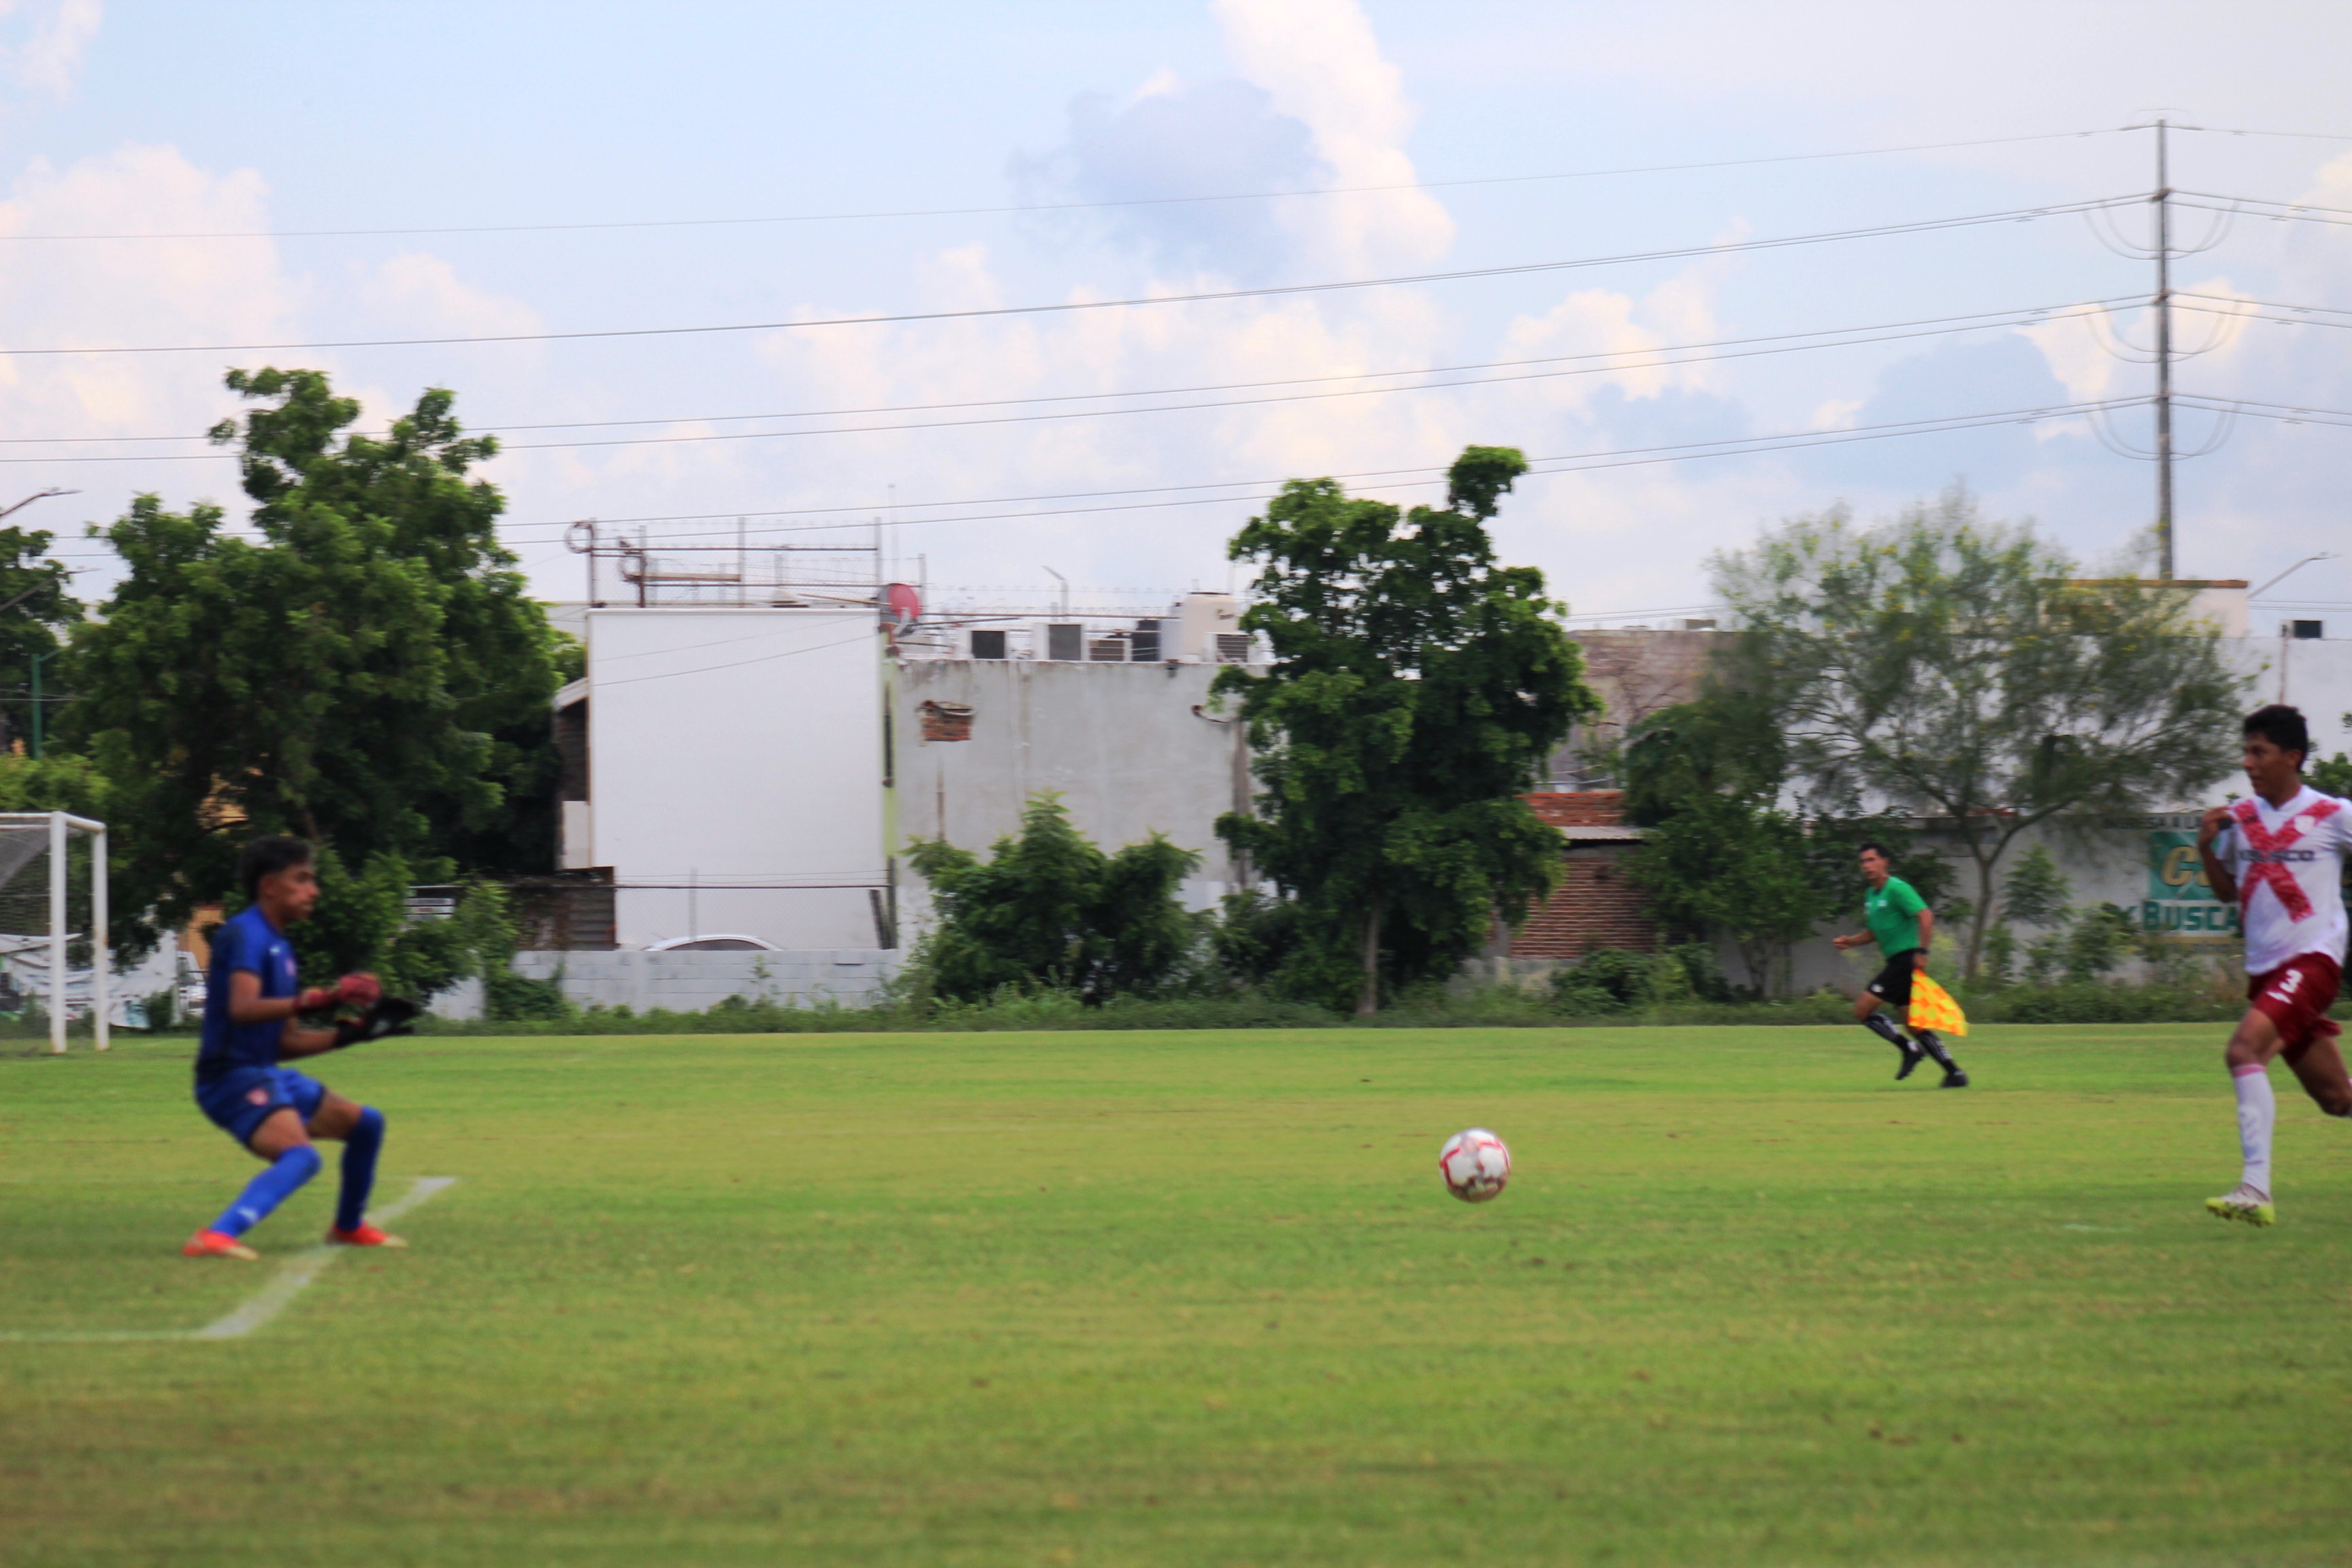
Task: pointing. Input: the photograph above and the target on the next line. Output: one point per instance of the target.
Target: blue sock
(360, 1151)
(266, 1191)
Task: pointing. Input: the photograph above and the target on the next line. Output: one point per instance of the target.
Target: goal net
(54, 964)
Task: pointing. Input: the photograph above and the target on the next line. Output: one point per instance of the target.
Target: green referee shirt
(1892, 914)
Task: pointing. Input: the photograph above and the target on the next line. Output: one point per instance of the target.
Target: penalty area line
(293, 1276)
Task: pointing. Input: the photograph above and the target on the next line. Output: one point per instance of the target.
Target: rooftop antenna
(1064, 582)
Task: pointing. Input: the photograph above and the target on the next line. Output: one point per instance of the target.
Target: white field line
(264, 1304)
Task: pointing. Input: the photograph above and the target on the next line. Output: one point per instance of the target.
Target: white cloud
(2081, 347)
(88, 293)
(164, 292)
(1601, 321)
(50, 38)
(423, 293)
(1321, 62)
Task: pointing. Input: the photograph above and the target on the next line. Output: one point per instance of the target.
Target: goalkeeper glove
(385, 1015)
(362, 989)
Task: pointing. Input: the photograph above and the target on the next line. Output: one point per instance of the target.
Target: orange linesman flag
(1932, 1007)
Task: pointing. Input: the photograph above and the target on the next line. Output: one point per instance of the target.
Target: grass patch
(1133, 1298)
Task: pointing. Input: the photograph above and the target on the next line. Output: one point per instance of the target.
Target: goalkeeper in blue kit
(253, 1007)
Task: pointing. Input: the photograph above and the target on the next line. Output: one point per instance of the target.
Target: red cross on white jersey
(2297, 854)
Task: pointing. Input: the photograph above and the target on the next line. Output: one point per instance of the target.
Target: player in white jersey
(2280, 858)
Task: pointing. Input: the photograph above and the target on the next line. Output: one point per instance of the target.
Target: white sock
(2257, 1114)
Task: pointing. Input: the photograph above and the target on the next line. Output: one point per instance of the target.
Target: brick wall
(1595, 906)
(1579, 808)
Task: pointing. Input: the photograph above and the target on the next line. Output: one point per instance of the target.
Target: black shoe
(1954, 1079)
(1912, 1057)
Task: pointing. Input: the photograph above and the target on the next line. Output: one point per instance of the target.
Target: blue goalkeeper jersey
(246, 942)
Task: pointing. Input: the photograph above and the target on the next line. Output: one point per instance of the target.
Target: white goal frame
(62, 825)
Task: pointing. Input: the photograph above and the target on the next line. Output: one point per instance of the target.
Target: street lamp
(2323, 555)
(2283, 639)
(36, 495)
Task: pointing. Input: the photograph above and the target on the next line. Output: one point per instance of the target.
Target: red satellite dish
(903, 604)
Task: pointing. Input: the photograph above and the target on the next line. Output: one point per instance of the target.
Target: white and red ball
(1474, 1164)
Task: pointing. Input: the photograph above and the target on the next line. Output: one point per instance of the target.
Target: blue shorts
(241, 1099)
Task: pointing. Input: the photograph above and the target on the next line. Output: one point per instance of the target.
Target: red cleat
(365, 1236)
(213, 1244)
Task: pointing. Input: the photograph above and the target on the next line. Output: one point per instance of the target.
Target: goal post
(39, 876)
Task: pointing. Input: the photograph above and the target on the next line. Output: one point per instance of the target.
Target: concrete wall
(735, 767)
(1129, 747)
(1635, 673)
(2147, 868)
(694, 982)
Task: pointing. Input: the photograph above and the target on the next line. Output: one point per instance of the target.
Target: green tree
(37, 611)
(1956, 668)
(1415, 688)
(1050, 909)
(2036, 895)
(1728, 866)
(368, 673)
(2035, 892)
(361, 922)
(2332, 775)
(1724, 857)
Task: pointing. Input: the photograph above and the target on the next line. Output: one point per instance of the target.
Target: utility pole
(2163, 200)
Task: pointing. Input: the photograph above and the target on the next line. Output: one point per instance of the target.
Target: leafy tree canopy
(2035, 892)
(1049, 908)
(2334, 774)
(36, 610)
(1953, 668)
(1415, 688)
(1724, 857)
(368, 672)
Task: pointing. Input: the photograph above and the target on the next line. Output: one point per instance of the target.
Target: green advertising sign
(2178, 902)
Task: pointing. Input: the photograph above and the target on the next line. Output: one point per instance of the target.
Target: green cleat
(2243, 1202)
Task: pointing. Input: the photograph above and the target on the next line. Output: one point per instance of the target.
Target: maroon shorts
(2296, 996)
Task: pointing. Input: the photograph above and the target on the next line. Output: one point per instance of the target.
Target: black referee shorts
(1892, 985)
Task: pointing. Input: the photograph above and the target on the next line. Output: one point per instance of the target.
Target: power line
(2229, 130)
(1398, 479)
(630, 224)
(1573, 462)
(865, 635)
(2285, 413)
(1640, 358)
(2277, 212)
(1924, 226)
(2248, 309)
(1893, 331)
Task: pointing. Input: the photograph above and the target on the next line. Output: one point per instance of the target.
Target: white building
(760, 772)
(732, 774)
(752, 777)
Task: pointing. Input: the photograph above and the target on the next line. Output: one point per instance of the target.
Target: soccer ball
(1474, 1164)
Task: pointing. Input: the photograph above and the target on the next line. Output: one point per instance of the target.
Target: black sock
(1882, 1026)
(1934, 1047)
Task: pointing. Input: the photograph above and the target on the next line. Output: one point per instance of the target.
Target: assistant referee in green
(1901, 923)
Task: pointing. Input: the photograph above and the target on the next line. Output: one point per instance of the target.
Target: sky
(197, 179)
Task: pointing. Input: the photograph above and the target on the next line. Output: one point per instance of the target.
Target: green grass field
(1195, 1298)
